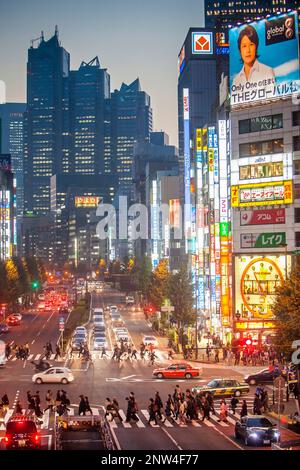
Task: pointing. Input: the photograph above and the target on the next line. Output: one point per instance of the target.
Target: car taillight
(7, 439)
(36, 437)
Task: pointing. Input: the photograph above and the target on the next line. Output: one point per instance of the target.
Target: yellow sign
(87, 201)
(255, 325)
(199, 139)
(262, 194)
(211, 157)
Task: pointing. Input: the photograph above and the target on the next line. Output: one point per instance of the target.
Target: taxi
(224, 388)
(177, 371)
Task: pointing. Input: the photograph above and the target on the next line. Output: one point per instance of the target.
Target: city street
(108, 378)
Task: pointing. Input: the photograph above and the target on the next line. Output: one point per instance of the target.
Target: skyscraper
(46, 121)
(89, 88)
(12, 142)
(223, 13)
(131, 122)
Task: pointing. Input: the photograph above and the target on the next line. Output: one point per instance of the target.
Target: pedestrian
(182, 410)
(49, 401)
(37, 398)
(26, 350)
(116, 409)
(158, 405)
(7, 350)
(134, 353)
(5, 402)
(103, 352)
(170, 355)
(31, 402)
(57, 352)
(223, 412)
(132, 409)
(208, 352)
(82, 408)
(217, 352)
(152, 411)
(49, 347)
(59, 397)
(265, 401)
(109, 410)
(257, 405)
(18, 408)
(152, 358)
(205, 409)
(87, 405)
(169, 409)
(244, 409)
(259, 391)
(64, 398)
(209, 397)
(37, 409)
(234, 402)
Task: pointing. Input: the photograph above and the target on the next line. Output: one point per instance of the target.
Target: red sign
(263, 217)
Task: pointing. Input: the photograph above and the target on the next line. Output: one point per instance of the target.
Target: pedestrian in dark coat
(87, 405)
(152, 411)
(257, 405)
(244, 410)
(82, 406)
(234, 402)
(158, 404)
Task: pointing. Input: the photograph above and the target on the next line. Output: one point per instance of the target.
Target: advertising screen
(264, 60)
(263, 217)
(87, 201)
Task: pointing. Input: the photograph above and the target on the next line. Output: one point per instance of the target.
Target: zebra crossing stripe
(147, 416)
(95, 411)
(168, 424)
(196, 424)
(52, 357)
(8, 415)
(71, 412)
(221, 423)
(122, 414)
(140, 423)
(208, 423)
(30, 357)
(46, 418)
(37, 357)
(14, 358)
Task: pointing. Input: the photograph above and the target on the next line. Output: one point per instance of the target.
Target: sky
(132, 38)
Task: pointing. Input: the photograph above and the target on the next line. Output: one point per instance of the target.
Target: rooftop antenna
(56, 30)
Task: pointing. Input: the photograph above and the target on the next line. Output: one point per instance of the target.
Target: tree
(13, 281)
(286, 309)
(141, 274)
(158, 288)
(3, 284)
(181, 296)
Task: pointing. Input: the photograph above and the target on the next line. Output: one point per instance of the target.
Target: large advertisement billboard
(264, 60)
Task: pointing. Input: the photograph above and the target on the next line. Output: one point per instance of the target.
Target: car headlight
(253, 435)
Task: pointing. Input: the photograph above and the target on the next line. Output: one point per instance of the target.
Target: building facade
(8, 235)
(12, 142)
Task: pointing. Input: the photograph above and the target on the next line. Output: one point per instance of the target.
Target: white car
(98, 311)
(147, 340)
(113, 309)
(81, 329)
(61, 375)
(129, 300)
(17, 315)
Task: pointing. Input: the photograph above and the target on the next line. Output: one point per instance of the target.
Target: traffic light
(35, 285)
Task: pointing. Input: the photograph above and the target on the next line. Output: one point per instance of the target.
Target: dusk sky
(132, 38)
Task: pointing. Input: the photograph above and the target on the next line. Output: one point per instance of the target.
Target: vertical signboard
(187, 165)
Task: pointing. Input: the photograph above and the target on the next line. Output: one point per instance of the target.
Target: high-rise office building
(7, 209)
(131, 122)
(12, 142)
(89, 88)
(223, 13)
(46, 121)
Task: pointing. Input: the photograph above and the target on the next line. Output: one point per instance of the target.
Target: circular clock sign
(259, 283)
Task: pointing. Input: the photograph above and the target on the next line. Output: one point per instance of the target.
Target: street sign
(167, 309)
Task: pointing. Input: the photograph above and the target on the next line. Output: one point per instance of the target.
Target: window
(261, 123)
(297, 215)
(296, 118)
(297, 167)
(296, 143)
(252, 149)
(297, 239)
(297, 191)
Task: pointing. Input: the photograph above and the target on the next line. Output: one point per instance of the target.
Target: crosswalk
(161, 356)
(143, 415)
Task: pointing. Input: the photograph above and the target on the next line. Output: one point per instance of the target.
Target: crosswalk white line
(52, 357)
(46, 418)
(221, 423)
(140, 423)
(30, 357)
(113, 424)
(208, 423)
(196, 424)
(9, 413)
(123, 416)
(168, 424)
(71, 412)
(37, 357)
(95, 411)
(14, 358)
(147, 416)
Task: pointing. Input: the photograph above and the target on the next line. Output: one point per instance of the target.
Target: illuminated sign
(255, 325)
(262, 194)
(175, 213)
(263, 217)
(257, 169)
(257, 281)
(263, 240)
(187, 164)
(87, 201)
(181, 59)
(202, 43)
(270, 68)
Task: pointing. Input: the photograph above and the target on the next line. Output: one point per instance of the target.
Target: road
(108, 378)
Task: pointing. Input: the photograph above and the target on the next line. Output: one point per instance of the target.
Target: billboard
(264, 60)
(87, 201)
(181, 59)
(263, 217)
(202, 43)
(256, 282)
(262, 194)
(263, 240)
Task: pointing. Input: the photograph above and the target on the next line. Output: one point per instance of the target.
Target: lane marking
(228, 439)
(221, 423)
(147, 416)
(115, 437)
(172, 439)
(123, 416)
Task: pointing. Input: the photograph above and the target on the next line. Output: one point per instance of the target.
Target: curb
(284, 419)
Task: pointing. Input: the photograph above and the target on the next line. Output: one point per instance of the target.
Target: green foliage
(286, 309)
(141, 274)
(180, 292)
(158, 288)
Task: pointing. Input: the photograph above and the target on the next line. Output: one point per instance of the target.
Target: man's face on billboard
(248, 51)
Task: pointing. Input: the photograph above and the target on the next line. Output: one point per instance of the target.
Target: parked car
(13, 321)
(177, 371)
(21, 433)
(257, 430)
(147, 340)
(54, 375)
(263, 377)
